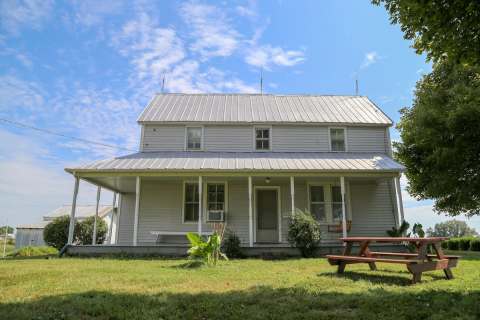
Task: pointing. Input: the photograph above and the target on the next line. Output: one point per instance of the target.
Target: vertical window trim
(270, 138)
(185, 182)
(344, 136)
(202, 138)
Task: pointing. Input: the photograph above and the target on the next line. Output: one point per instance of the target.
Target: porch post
(292, 193)
(399, 198)
(110, 229)
(137, 207)
(200, 205)
(117, 218)
(94, 236)
(344, 217)
(250, 213)
(71, 227)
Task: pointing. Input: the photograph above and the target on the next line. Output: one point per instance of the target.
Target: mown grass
(73, 288)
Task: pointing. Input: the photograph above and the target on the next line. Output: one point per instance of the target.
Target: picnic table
(417, 262)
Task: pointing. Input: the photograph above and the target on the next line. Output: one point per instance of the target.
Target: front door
(267, 215)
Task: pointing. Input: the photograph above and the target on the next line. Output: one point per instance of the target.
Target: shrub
(453, 244)
(304, 232)
(475, 244)
(400, 231)
(85, 231)
(464, 243)
(208, 251)
(55, 233)
(231, 246)
(445, 244)
(34, 251)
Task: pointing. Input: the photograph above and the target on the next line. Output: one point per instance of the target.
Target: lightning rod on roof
(356, 87)
(163, 84)
(261, 81)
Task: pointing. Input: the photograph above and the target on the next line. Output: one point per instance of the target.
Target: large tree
(441, 139)
(452, 229)
(441, 131)
(439, 28)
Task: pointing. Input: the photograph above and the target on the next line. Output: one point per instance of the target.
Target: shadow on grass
(254, 303)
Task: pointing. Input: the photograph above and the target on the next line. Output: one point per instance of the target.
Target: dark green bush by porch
(475, 245)
(231, 246)
(55, 233)
(304, 232)
(85, 231)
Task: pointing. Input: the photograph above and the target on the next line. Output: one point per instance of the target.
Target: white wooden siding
(300, 139)
(363, 139)
(125, 224)
(373, 212)
(228, 138)
(285, 138)
(163, 138)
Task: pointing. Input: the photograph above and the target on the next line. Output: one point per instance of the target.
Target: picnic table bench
(416, 263)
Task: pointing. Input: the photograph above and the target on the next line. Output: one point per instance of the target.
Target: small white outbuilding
(32, 234)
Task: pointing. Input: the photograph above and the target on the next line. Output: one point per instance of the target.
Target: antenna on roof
(163, 84)
(261, 80)
(356, 86)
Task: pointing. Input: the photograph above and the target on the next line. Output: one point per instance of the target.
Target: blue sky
(87, 68)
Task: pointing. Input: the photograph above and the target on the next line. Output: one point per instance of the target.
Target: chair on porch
(338, 228)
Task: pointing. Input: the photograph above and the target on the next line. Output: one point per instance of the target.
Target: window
(262, 139)
(216, 196)
(317, 203)
(337, 139)
(326, 203)
(336, 203)
(194, 138)
(190, 210)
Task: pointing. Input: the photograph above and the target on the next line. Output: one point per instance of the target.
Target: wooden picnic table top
(393, 239)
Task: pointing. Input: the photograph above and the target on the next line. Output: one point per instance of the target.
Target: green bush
(475, 245)
(55, 233)
(464, 243)
(85, 231)
(445, 244)
(231, 246)
(304, 232)
(34, 251)
(453, 244)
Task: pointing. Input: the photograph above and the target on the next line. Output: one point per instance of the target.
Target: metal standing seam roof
(263, 108)
(246, 161)
(81, 211)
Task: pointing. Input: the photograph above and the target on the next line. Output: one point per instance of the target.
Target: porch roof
(185, 161)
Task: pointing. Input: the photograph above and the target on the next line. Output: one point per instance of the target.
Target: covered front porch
(163, 196)
(154, 210)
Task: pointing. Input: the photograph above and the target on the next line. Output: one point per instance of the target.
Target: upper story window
(194, 138)
(262, 139)
(337, 139)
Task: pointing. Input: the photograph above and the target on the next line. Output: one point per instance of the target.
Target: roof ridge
(259, 94)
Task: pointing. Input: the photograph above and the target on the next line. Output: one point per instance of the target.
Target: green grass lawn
(73, 288)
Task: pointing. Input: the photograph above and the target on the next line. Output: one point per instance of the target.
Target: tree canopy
(452, 229)
(9, 230)
(441, 139)
(439, 28)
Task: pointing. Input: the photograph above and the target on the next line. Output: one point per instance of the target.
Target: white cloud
(18, 96)
(33, 182)
(211, 30)
(369, 59)
(267, 56)
(93, 12)
(425, 215)
(17, 14)
(250, 9)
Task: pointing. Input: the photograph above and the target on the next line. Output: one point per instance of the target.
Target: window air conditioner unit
(216, 216)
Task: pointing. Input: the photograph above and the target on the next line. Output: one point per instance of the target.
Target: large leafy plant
(304, 232)
(208, 251)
